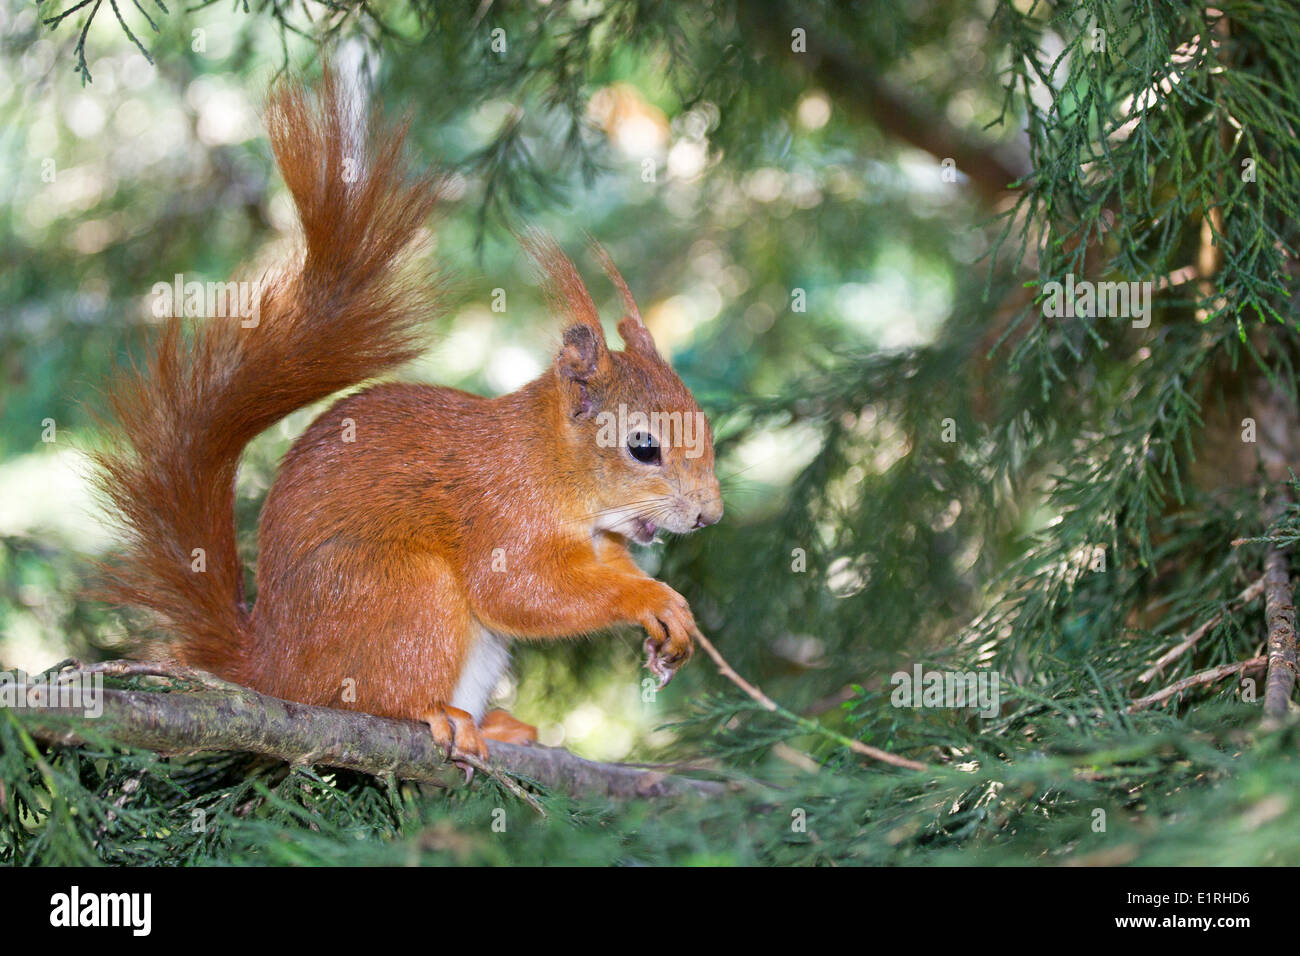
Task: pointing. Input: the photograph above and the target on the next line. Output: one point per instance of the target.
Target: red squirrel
(412, 531)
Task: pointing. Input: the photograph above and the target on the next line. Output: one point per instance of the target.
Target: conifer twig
(812, 726)
(1204, 677)
(1178, 650)
(171, 671)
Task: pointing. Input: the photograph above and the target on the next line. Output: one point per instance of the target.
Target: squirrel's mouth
(643, 530)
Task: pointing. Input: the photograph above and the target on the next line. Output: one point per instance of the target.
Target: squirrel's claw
(669, 644)
(453, 729)
(657, 666)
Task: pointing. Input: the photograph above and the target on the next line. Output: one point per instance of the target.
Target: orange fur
(383, 559)
(499, 725)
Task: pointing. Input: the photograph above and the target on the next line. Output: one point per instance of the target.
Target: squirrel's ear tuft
(582, 360)
(637, 337)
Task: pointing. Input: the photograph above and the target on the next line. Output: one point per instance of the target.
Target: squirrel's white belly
(488, 658)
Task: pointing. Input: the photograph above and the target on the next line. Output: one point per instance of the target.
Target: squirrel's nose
(708, 516)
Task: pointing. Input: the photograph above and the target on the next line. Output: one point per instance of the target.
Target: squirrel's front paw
(670, 627)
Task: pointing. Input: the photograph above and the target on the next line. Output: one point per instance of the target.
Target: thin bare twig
(73, 668)
(1178, 650)
(812, 726)
(1204, 677)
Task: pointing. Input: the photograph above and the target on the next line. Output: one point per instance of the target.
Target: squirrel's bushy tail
(341, 311)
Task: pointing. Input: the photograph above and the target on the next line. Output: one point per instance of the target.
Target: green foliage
(925, 467)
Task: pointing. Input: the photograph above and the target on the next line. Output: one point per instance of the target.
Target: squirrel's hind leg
(454, 731)
(499, 725)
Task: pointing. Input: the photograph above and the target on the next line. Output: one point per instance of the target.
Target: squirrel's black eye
(644, 447)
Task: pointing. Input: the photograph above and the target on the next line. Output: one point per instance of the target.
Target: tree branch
(856, 84)
(1279, 615)
(1168, 657)
(246, 721)
(1204, 677)
(1277, 449)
